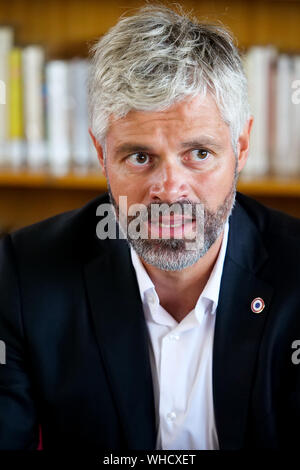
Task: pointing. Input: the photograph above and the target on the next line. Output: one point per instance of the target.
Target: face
(180, 155)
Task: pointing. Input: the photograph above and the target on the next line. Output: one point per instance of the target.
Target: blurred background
(47, 162)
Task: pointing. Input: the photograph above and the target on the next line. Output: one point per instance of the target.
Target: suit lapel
(123, 342)
(238, 330)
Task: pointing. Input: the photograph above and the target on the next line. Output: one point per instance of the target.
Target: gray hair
(157, 57)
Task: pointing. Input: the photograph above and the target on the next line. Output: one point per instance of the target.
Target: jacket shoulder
(271, 223)
(63, 234)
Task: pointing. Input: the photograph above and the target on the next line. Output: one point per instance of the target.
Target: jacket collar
(122, 338)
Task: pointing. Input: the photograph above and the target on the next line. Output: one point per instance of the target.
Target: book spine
(295, 115)
(257, 66)
(58, 116)
(282, 157)
(16, 125)
(78, 73)
(6, 44)
(33, 66)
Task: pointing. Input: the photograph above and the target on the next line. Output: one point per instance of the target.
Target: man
(186, 336)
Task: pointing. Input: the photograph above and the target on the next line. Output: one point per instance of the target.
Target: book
(283, 161)
(58, 116)
(78, 73)
(6, 44)
(16, 147)
(33, 59)
(258, 65)
(295, 115)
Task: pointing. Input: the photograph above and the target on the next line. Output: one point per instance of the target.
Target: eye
(139, 159)
(200, 154)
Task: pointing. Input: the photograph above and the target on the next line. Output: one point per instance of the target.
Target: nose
(170, 184)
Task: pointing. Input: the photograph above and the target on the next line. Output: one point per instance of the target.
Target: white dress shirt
(181, 362)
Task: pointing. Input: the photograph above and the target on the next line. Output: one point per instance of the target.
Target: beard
(172, 254)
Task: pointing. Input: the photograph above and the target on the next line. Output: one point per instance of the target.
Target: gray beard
(172, 254)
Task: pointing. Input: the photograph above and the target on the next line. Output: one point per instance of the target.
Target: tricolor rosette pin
(257, 305)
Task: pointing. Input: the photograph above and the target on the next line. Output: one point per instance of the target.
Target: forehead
(200, 113)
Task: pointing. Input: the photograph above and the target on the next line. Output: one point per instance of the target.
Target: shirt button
(174, 337)
(171, 416)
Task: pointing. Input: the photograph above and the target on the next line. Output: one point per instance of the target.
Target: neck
(178, 291)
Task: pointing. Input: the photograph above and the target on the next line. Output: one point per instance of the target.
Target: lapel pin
(257, 305)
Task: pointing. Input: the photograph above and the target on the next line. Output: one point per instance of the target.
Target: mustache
(155, 211)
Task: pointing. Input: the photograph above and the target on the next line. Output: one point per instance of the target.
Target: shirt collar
(212, 288)
(144, 281)
(210, 293)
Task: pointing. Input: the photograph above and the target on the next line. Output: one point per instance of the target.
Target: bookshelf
(90, 180)
(27, 197)
(95, 181)
(67, 28)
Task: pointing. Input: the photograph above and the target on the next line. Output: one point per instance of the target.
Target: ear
(243, 144)
(99, 151)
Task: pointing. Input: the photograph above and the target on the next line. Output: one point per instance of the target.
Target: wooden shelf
(94, 180)
(68, 28)
(27, 197)
(271, 187)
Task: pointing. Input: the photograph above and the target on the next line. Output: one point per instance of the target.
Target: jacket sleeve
(18, 416)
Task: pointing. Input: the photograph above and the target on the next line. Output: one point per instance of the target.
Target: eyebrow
(131, 148)
(202, 142)
(196, 143)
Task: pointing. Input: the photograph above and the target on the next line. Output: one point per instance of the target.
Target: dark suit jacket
(76, 340)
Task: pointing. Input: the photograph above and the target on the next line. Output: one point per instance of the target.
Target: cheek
(122, 185)
(215, 186)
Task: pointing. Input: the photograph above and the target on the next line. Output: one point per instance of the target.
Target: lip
(172, 220)
(172, 229)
